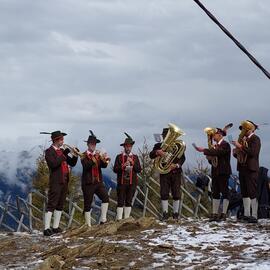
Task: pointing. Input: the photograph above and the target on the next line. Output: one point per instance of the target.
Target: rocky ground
(142, 244)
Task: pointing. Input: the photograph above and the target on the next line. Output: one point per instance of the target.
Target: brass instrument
(172, 147)
(210, 132)
(104, 157)
(74, 151)
(240, 155)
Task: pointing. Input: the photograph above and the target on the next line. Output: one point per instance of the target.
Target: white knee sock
(47, 220)
(246, 202)
(225, 206)
(56, 218)
(164, 205)
(254, 207)
(87, 217)
(104, 210)
(215, 205)
(119, 213)
(176, 206)
(127, 211)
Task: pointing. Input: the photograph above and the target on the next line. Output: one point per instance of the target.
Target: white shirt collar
(250, 135)
(91, 153)
(130, 154)
(55, 148)
(219, 143)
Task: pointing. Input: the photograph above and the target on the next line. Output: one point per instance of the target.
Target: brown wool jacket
(119, 170)
(87, 165)
(54, 163)
(253, 152)
(223, 153)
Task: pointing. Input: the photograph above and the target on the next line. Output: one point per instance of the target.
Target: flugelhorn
(103, 156)
(74, 151)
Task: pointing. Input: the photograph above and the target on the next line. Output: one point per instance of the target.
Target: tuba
(240, 155)
(210, 133)
(172, 147)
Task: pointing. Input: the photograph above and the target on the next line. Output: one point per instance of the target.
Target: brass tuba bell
(210, 132)
(172, 147)
(241, 156)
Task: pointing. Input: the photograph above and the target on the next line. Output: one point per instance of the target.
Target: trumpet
(74, 151)
(103, 156)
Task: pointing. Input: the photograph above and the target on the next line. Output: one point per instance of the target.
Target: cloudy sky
(134, 66)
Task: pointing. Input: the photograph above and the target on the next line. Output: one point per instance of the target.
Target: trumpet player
(92, 182)
(247, 150)
(58, 161)
(126, 166)
(170, 181)
(219, 156)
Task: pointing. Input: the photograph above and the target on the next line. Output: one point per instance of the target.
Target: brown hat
(128, 140)
(223, 131)
(55, 135)
(92, 138)
(164, 132)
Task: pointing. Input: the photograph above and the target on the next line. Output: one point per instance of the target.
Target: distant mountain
(16, 172)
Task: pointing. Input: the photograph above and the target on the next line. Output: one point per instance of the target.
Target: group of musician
(127, 166)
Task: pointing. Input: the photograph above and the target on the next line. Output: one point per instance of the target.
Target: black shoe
(47, 232)
(244, 219)
(214, 217)
(222, 217)
(175, 216)
(252, 219)
(102, 222)
(57, 230)
(165, 216)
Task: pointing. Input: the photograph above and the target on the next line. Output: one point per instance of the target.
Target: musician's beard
(92, 148)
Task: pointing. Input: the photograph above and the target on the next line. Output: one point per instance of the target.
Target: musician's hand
(237, 144)
(130, 161)
(199, 149)
(160, 153)
(94, 159)
(66, 151)
(173, 167)
(127, 163)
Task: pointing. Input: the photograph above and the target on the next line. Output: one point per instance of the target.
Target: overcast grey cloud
(115, 66)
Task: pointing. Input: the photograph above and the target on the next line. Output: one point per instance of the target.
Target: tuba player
(169, 182)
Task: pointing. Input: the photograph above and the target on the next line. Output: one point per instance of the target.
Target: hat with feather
(92, 138)
(223, 131)
(55, 135)
(128, 140)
